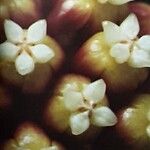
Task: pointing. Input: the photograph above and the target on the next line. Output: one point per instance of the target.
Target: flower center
(24, 46)
(88, 105)
(131, 43)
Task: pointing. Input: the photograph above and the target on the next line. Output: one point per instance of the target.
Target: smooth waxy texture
(117, 54)
(70, 17)
(28, 136)
(134, 122)
(83, 104)
(142, 10)
(118, 12)
(24, 47)
(95, 60)
(29, 57)
(125, 46)
(24, 12)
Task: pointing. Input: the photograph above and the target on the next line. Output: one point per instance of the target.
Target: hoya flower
(86, 107)
(25, 47)
(125, 46)
(115, 2)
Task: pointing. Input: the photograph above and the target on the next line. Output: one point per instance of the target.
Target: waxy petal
(130, 26)
(103, 116)
(120, 52)
(113, 33)
(144, 42)
(37, 31)
(42, 53)
(119, 2)
(24, 64)
(79, 123)
(8, 51)
(73, 100)
(95, 91)
(14, 33)
(139, 58)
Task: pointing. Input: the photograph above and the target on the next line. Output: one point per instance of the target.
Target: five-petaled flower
(124, 44)
(115, 2)
(24, 47)
(86, 107)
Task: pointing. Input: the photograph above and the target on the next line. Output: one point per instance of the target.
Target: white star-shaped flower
(86, 107)
(125, 44)
(24, 47)
(115, 2)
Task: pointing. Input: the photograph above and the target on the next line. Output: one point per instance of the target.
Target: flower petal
(95, 91)
(24, 64)
(13, 31)
(120, 52)
(42, 53)
(37, 31)
(119, 2)
(8, 51)
(79, 123)
(112, 32)
(144, 42)
(73, 100)
(139, 58)
(130, 26)
(103, 116)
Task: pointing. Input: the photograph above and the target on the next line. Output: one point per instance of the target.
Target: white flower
(124, 43)
(24, 47)
(115, 2)
(86, 107)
